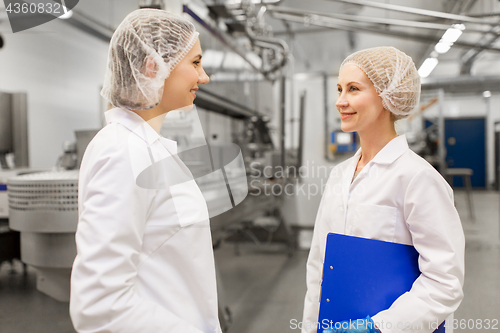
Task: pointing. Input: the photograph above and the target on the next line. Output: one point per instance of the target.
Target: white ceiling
(322, 49)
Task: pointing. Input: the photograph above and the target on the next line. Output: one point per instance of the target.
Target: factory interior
(271, 103)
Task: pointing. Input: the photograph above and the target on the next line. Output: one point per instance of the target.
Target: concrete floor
(264, 288)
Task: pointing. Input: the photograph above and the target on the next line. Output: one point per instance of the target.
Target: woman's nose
(203, 79)
(341, 102)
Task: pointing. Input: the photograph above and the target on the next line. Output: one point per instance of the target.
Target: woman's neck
(154, 117)
(373, 142)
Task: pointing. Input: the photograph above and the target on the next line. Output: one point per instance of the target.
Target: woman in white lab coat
(144, 251)
(387, 192)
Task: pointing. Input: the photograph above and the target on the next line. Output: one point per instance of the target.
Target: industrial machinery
(13, 142)
(44, 208)
(13, 160)
(13, 130)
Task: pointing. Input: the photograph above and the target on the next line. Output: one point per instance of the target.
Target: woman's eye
(196, 62)
(353, 88)
(340, 91)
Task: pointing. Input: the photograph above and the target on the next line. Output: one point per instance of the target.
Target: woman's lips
(193, 92)
(346, 115)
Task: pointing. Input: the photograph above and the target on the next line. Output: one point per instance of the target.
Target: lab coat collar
(134, 123)
(387, 155)
(391, 151)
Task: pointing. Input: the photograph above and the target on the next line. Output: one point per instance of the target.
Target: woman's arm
(437, 235)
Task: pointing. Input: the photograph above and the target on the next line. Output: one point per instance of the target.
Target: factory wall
(61, 69)
(474, 105)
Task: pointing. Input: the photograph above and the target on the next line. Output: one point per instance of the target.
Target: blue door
(465, 148)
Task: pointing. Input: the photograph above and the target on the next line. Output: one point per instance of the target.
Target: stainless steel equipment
(44, 208)
(5, 124)
(83, 138)
(14, 129)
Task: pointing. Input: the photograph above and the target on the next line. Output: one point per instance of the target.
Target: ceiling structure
(321, 33)
(324, 31)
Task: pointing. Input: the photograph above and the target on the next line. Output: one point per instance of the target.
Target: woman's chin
(347, 128)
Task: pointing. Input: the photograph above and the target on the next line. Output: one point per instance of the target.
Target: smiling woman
(389, 193)
(143, 264)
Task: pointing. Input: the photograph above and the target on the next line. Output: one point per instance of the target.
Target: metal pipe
(377, 20)
(277, 49)
(302, 114)
(218, 34)
(470, 56)
(326, 113)
(89, 25)
(414, 37)
(261, 13)
(300, 31)
(276, 41)
(282, 120)
(489, 133)
(418, 11)
(462, 84)
(441, 134)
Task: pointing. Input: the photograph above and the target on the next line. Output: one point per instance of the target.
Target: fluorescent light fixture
(442, 47)
(427, 67)
(451, 35)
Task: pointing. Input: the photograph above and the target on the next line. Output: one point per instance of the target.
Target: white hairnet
(394, 76)
(144, 49)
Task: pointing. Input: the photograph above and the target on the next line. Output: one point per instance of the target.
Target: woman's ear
(151, 67)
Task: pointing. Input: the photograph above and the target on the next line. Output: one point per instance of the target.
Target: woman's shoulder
(419, 171)
(112, 137)
(415, 163)
(114, 142)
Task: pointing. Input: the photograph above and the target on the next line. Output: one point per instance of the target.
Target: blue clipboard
(364, 276)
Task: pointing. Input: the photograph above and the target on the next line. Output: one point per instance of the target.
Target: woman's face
(359, 104)
(181, 85)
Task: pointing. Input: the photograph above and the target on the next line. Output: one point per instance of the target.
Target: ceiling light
(442, 47)
(427, 67)
(451, 35)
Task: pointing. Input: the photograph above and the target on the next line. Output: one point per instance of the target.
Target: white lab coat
(140, 267)
(397, 197)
